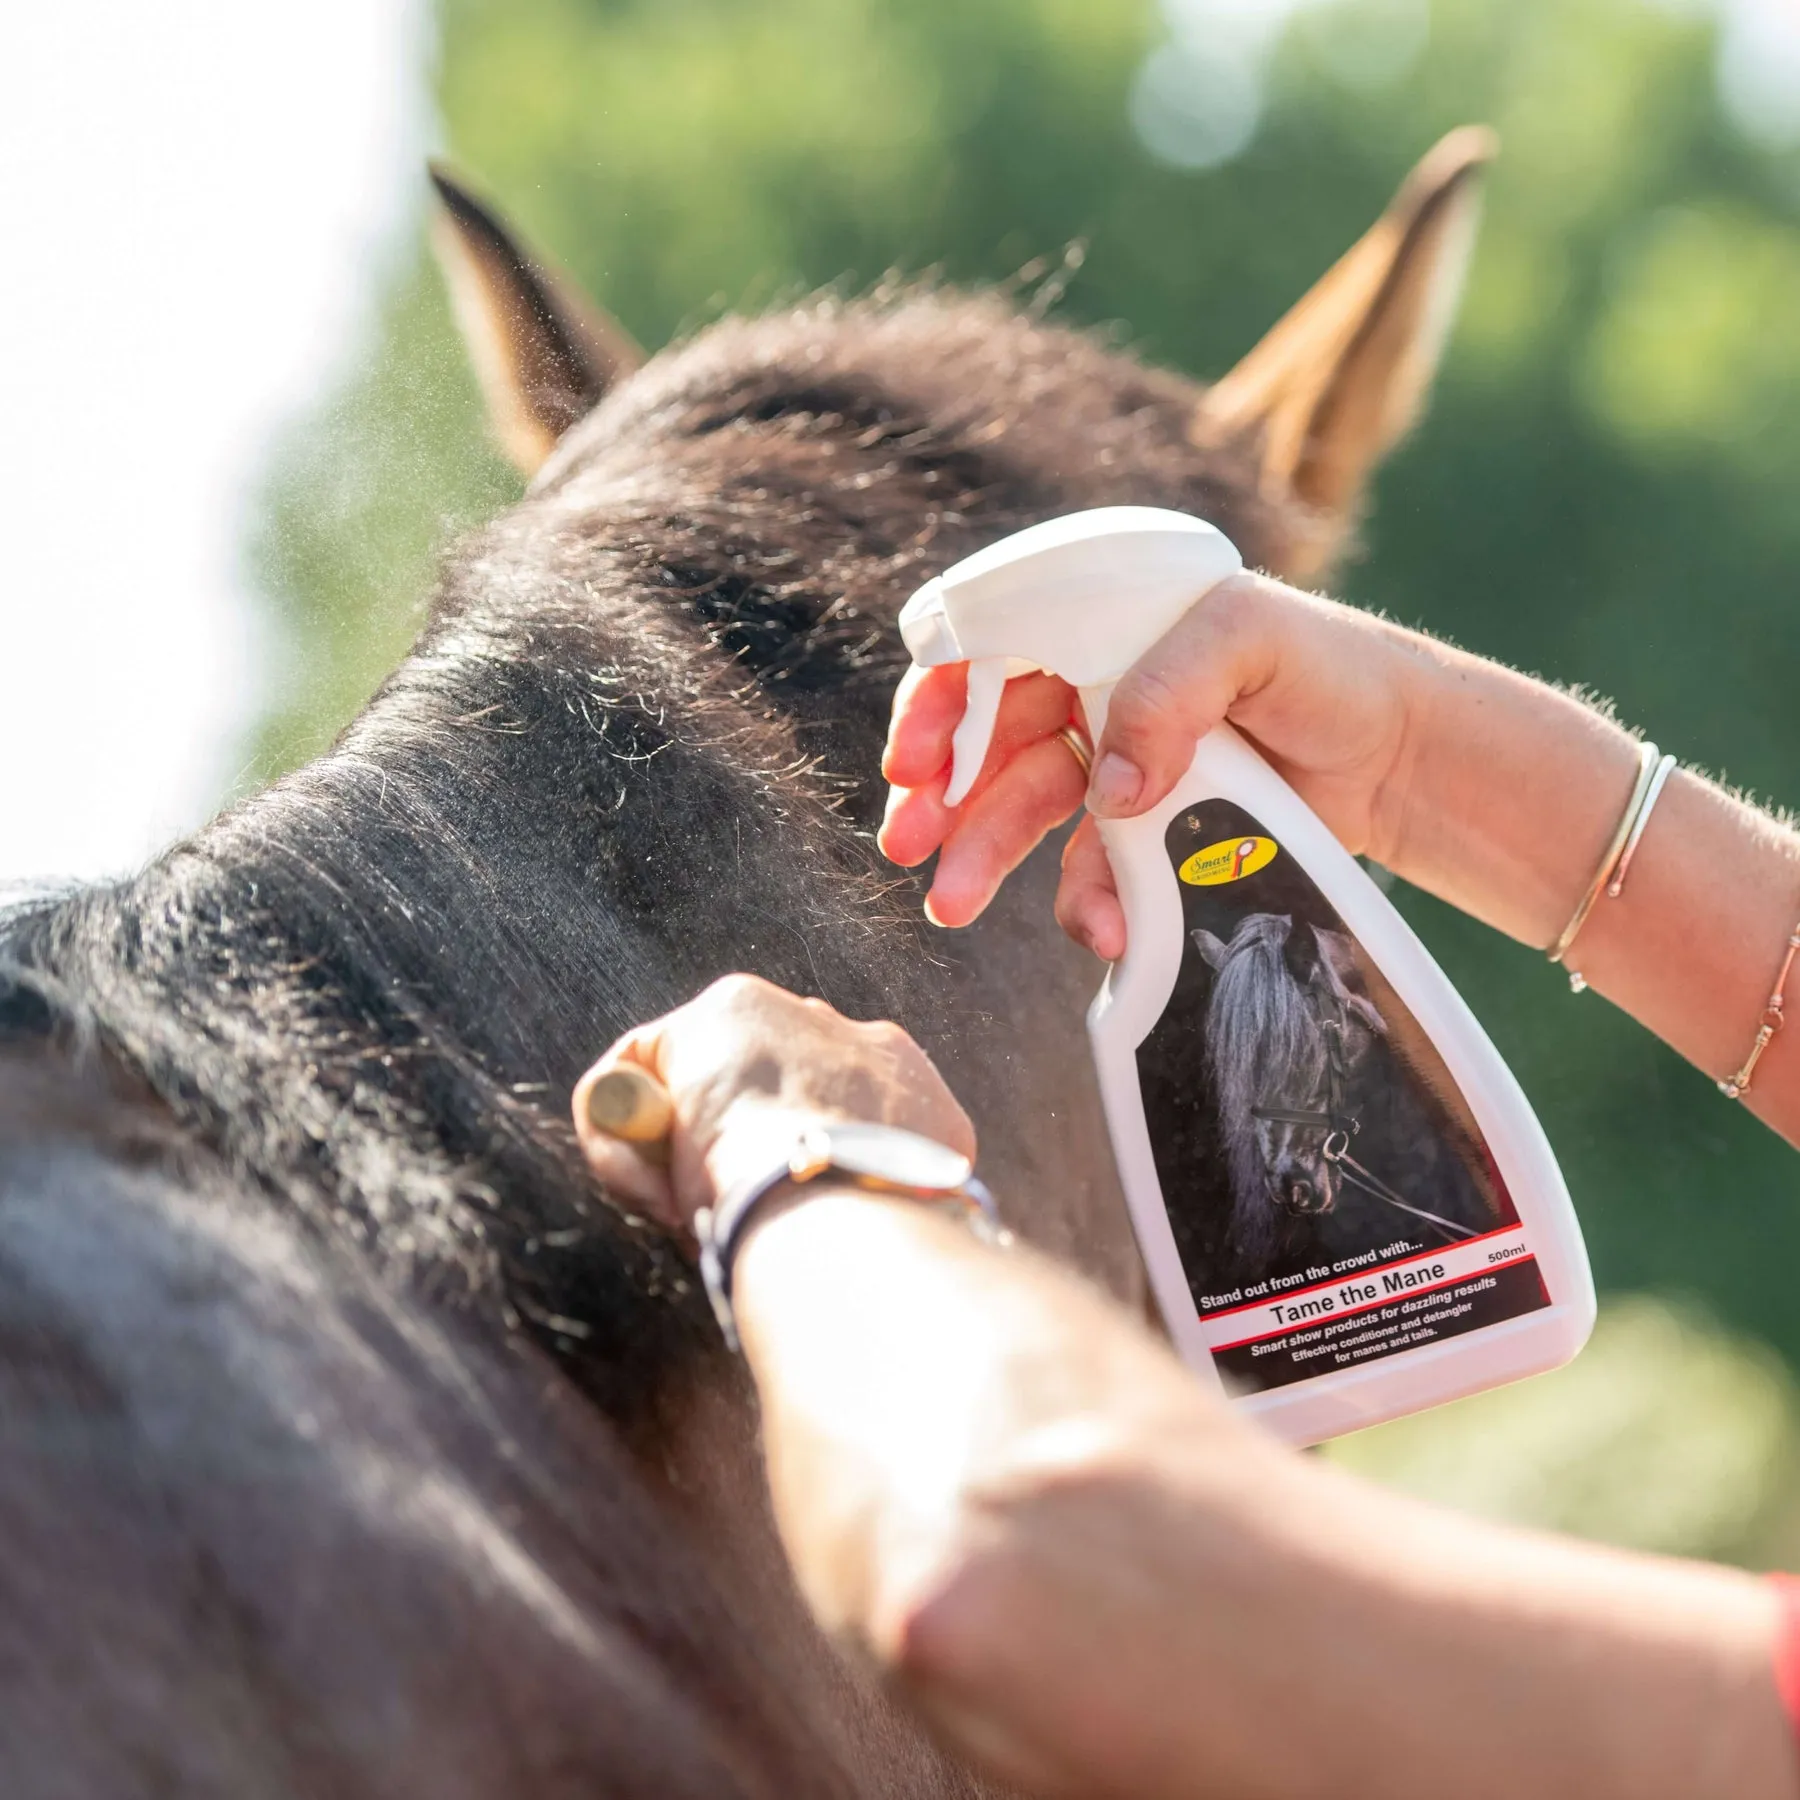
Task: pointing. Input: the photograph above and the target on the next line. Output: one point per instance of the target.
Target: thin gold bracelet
(1634, 807)
(1738, 1085)
(1652, 794)
(1646, 805)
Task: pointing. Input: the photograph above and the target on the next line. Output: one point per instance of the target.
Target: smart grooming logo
(1230, 860)
(1329, 1191)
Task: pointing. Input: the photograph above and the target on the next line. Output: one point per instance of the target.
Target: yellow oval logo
(1231, 859)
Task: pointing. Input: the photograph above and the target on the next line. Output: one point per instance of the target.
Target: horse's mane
(1261, 1038)
(633, 747)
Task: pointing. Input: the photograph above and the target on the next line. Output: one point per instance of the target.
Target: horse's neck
(209, 1415)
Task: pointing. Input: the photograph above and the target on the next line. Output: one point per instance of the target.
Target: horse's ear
(1337, 962)
(542, 353)
(1325, 395)
(1212, 948)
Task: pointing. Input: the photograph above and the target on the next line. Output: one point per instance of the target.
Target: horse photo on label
(1302, 1119)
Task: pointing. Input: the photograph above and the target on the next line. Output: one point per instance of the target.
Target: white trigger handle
(988, 676)
(975, 730)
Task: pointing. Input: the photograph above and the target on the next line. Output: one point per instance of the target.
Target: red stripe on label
(1367, 1273)
(1350, 1312)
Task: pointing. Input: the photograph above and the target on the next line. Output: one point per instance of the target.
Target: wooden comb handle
(627, 1103)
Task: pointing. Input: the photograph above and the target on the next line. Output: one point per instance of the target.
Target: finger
(633, 1181)
(641, 1047)
(998, 826)
(927, 705)
(917, 822)
(1175, 693)
(927, 712)
(1087, 900)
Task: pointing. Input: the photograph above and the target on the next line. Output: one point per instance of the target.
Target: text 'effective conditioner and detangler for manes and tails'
(1346, 1206)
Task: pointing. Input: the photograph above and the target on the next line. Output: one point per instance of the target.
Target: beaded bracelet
(1735, 1087)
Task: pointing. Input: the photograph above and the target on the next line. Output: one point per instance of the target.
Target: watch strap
(721, 1230)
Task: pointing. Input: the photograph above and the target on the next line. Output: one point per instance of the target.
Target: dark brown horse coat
(350, 1443)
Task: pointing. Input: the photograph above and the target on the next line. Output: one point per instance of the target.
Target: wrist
(1404, 810)
(754, 1137)
(1507, 792)
(861, 1157)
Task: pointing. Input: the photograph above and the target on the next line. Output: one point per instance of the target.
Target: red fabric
(1787, 1648)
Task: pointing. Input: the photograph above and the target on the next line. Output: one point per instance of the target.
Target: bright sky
(192, 192)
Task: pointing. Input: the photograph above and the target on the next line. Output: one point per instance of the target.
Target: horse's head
(1287, 1034)
(657, 689)
(637, 745)
(948, 413)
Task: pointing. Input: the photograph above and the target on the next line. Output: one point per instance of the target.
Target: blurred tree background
(1604, 491)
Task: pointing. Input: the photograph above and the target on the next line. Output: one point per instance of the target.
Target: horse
(1282, 1047)
(1308, 1092)
(355, 1443)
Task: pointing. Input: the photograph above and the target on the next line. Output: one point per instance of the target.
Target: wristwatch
(878, 1159)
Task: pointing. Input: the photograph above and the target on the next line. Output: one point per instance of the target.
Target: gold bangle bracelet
(1652, 794)
(1634, 807)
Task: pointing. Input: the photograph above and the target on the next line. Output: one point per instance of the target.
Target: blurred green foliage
(1604, 491)
(1666, 1434)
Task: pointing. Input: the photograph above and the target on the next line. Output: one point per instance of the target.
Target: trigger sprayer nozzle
(1083, 596)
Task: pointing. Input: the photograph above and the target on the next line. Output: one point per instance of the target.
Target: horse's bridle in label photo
(1340, 1126)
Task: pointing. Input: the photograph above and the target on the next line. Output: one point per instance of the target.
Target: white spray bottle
(1346, 1207)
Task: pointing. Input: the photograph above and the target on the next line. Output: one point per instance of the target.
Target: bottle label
(1332, 1199)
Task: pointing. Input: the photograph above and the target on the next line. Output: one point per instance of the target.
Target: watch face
(902, 1158)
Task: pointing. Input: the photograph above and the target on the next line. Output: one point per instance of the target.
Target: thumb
(1176, 692)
